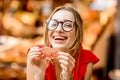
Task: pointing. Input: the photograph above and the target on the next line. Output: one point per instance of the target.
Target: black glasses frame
(62, 23)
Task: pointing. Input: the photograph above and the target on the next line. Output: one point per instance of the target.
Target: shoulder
(88, 56)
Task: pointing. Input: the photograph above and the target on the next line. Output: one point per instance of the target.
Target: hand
(36, 60)
(67, 63)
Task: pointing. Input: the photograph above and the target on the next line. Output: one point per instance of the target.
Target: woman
(64, 35)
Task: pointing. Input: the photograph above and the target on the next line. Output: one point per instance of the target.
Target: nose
(59, 27)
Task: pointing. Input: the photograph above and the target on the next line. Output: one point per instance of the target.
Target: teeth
(59, 37)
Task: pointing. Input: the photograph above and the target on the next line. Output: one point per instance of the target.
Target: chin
(58, 46)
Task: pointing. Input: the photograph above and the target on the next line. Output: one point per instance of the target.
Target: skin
(64, 63)
(89, 71)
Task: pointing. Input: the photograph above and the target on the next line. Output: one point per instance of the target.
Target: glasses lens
(68, 26)
(52, 25)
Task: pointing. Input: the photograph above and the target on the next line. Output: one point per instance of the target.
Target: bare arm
(31, 75)
(36, 65)
(89, 71)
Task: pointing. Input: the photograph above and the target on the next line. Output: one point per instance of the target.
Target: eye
(52, 24)
(68, 25)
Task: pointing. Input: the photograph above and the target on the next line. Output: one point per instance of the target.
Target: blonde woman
(63, 38)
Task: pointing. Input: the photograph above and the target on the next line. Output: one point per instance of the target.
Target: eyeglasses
(66, 25)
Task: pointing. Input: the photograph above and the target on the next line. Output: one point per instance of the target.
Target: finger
(35, 53)
(64, 62)
(36, 61)
(63, 53)
(72, 63)
(34, 50)
(36, 47)
(63, 67)
(72, 58)
(38, 55)
(68, 64)
(35, 58)
(67, 57)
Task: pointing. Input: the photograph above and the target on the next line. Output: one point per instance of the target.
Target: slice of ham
(50, 52)
(47, 53)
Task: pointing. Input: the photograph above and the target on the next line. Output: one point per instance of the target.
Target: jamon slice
(50, 52)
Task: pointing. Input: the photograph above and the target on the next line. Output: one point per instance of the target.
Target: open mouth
(61, 38)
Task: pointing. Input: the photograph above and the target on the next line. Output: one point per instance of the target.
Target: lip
(59, 38)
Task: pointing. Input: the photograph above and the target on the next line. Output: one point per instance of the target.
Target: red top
(82, 59)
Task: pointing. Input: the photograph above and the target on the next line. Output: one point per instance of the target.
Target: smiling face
(59, 38)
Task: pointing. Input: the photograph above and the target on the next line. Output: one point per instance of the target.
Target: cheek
(71, 36)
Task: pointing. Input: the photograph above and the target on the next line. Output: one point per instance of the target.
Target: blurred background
(22, 26)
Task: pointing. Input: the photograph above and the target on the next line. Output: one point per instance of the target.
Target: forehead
(62, 15)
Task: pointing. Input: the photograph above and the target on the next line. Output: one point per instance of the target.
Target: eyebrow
(63, 20)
